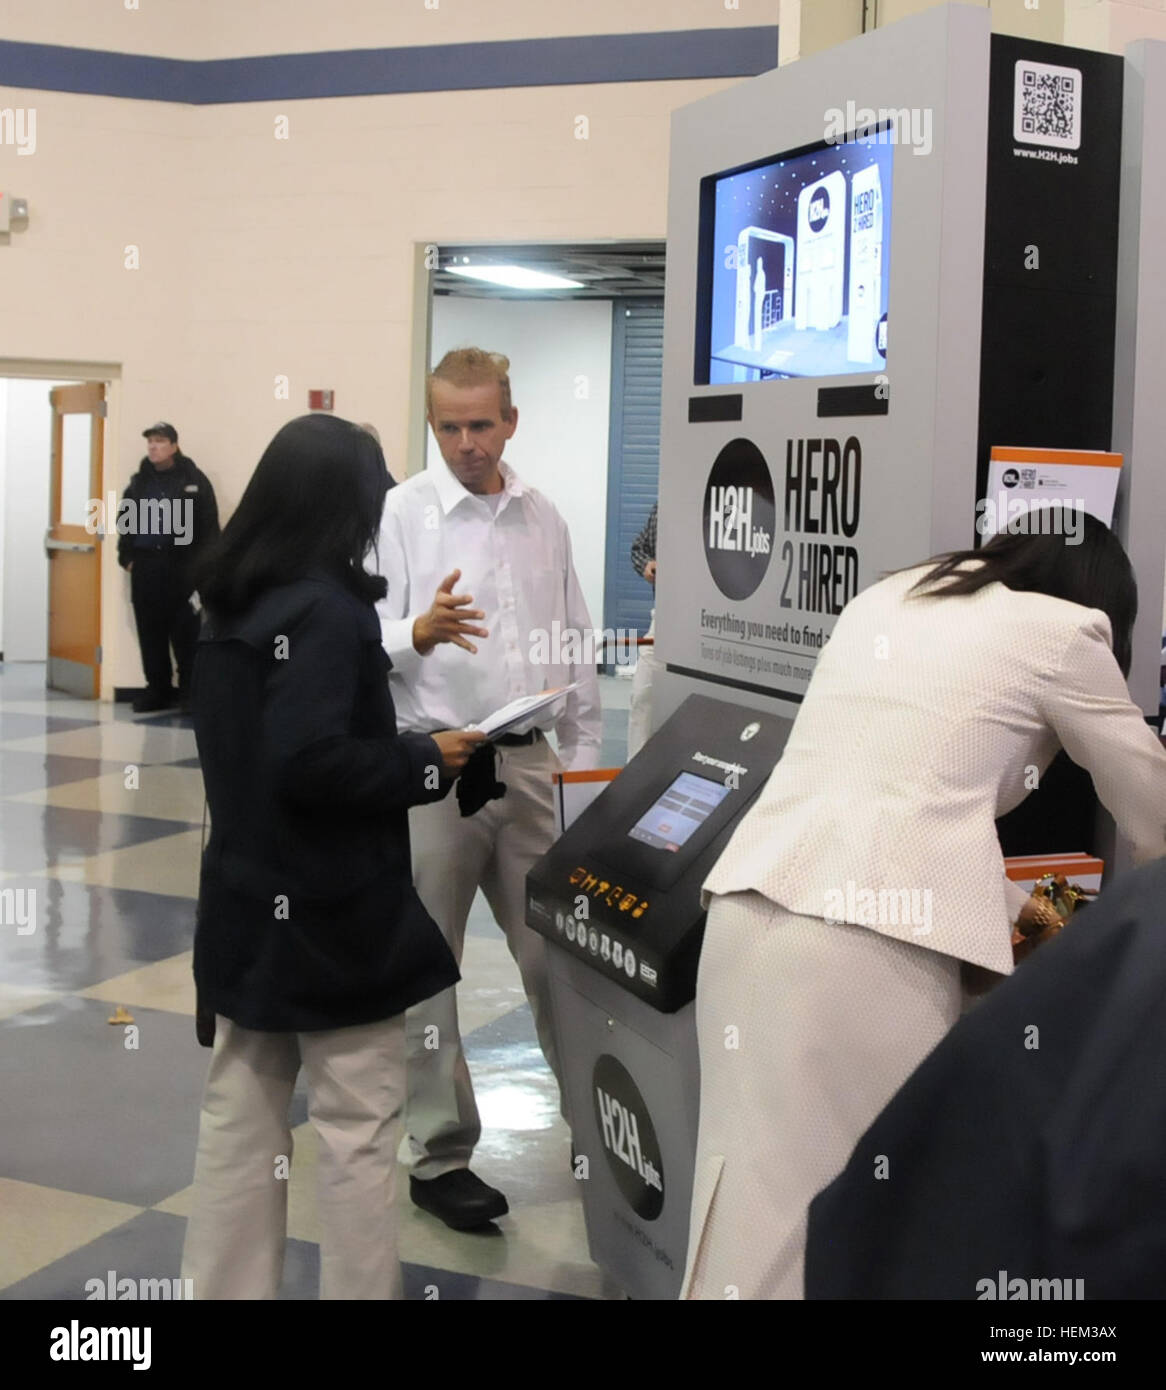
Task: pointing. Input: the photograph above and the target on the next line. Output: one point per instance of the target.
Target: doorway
(53, 438)
(575, 319)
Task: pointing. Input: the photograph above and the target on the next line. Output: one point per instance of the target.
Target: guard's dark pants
(161, 599)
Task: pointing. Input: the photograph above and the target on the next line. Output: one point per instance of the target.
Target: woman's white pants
(806, 1030)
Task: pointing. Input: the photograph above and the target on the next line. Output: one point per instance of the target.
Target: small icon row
(598, 943)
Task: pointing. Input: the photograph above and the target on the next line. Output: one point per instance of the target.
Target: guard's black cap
(162, 428)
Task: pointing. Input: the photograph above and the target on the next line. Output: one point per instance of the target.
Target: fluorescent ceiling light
(515, 277)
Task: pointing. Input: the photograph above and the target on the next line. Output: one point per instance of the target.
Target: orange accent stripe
(1048, 866)
(1077, 854)
(598, 774)
(1011, 454)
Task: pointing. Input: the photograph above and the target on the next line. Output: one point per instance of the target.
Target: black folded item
(477, 783)
(204, 1024)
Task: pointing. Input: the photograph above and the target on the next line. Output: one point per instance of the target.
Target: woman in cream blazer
(869, 867)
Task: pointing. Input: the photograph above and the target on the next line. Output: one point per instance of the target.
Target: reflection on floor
(101, 818)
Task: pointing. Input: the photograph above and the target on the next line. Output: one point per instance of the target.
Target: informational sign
(1020, 479)
(812, 512)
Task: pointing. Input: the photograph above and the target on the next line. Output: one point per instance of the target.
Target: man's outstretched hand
(448, 619)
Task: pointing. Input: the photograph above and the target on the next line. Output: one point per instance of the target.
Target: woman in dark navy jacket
(311, 941)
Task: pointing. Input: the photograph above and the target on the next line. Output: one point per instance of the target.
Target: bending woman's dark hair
(1092, 570)
(313, 503)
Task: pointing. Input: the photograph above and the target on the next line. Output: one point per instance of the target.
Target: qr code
(1047, 105)
(1028, 477)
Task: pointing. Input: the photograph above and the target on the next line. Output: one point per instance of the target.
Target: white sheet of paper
(1019, 479)
(520, 710)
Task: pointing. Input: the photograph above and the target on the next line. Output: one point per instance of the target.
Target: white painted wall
(202, 29)
(557, 350)
(25, 443)
(263, 258)
(3, 494)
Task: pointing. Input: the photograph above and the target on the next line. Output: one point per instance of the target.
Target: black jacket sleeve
(311, 692)
(125, 542)
(206, 517)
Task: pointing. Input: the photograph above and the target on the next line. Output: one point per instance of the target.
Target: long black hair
(313, 504)
(1070, 556)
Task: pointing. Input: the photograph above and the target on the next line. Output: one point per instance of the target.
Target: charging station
(618, 896)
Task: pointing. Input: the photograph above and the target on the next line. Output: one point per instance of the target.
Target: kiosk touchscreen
(622, 886)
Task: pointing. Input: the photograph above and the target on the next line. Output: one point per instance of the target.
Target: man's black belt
(519, 740)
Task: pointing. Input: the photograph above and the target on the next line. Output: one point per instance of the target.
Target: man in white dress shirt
(471, 523)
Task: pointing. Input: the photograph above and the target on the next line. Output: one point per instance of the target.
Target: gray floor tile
(83, 935)
(88, 1115)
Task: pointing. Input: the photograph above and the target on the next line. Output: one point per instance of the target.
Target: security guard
(167, 512)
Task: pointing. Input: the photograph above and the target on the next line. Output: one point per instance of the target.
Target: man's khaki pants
(454, 856)
(238, 1225)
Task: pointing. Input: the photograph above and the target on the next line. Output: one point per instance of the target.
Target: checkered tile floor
(101, 819)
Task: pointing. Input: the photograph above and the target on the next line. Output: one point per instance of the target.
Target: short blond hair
(471, 366)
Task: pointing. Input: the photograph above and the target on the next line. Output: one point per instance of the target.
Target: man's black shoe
(464, 1202)
(151, 701)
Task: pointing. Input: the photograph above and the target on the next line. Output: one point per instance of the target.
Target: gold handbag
(1050, 905)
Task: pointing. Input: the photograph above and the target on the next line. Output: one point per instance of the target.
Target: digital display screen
(677, 812)
(794, 264)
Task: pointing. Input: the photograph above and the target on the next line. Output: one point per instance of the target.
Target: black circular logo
(738, 518)
(1010, 477)
(628, 1137)
(819, 209)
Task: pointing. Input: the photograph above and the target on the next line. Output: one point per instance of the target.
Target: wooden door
(74, 548)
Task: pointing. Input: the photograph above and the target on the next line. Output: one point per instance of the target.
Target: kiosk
(619, 896)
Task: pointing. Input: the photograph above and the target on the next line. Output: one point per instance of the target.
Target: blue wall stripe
(671, 55)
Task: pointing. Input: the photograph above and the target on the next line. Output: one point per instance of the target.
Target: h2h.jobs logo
(738, 518)
(819, 209)
(629, 1137)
